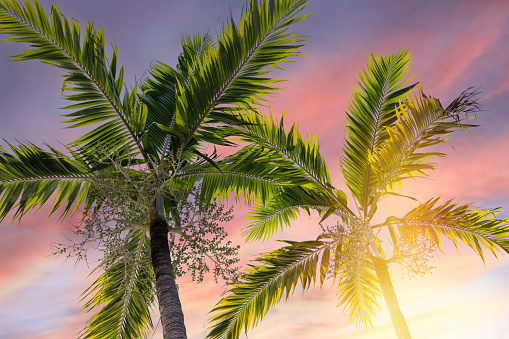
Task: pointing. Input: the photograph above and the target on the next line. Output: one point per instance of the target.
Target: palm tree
(147, 140)
(387, 131)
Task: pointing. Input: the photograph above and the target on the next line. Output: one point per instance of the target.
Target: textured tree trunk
(172, 317)
(397, 318)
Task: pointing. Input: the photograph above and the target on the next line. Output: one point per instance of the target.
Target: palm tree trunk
(397, 318)
(170, 309)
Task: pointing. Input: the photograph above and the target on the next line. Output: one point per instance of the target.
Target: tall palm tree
(154, 133)
(387, 132)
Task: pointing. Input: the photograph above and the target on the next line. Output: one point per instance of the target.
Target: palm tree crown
(389, 125)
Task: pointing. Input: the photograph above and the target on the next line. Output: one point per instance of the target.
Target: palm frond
(160, 97)
(285, 206)
(159, 91)
(90, 78)
(288, 150)
(359, 292)
(370, 110)
(125, 292)
(263, 286)
(30, 175)
(194, 48)
(247, 174)
(232, 73)
(270, 134)
(472, 226)
(421, 122)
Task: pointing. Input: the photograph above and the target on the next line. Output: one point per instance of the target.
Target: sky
(454, 44)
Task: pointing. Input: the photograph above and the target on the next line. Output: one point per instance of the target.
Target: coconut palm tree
(145, 141)
(388, 130)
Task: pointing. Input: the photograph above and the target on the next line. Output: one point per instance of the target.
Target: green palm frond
(194, 48)
(358, 293)
(160, 97)
(287, 149)
(370, 111)
(30, 175)
(285, 206)
(125, 293)
(421, 122)
(159, 91)
(247, 173)
(263, 286)
(90, 78)
(293, 150)
(473, 227)
(232, 72)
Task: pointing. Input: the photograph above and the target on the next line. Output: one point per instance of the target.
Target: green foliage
(124, 294)
(421, 122)
(293, 162)
(370, 110)
(247, 173)
(159, 90)
(263, 286)
(472, 226)
(90, 78)
(29, 176)
(359, 292)
(233, 72)
(285, 149)
(284, 207)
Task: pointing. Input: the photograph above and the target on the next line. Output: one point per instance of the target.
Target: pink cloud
(21, 247)
(30, 241)
(477, 170)
(503, 88)
(459, 44)
(50, 293)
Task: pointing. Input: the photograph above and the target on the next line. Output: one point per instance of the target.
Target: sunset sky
(455, 45)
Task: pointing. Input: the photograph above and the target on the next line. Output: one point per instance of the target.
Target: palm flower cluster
(413, 255)
(200, 239)
(351, 243)
(123, 192)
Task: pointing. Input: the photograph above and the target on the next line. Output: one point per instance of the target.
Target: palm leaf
(263, 286)
(90, 78)
(29, 176)
(231, 73)
(287, 149)
(159, 91)
(359, 293)
(125, 292)
(370, 110)
(473, 227)
(270, 134)
(421, 123)
(247, 173)
(285, 206)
